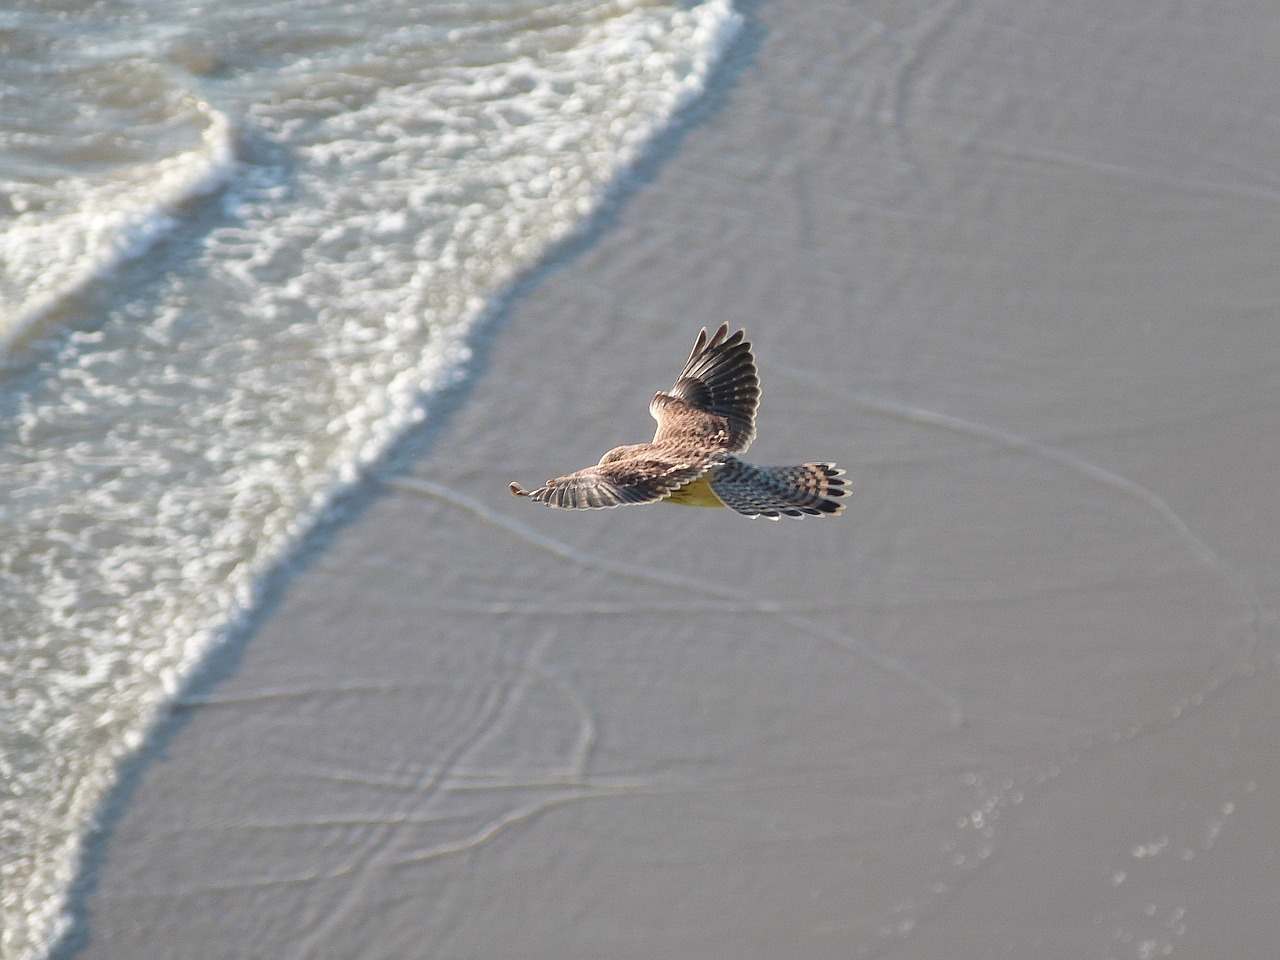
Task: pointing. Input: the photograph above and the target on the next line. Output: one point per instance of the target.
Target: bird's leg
(517, 490)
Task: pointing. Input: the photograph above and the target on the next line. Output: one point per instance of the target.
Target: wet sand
(1013, 266)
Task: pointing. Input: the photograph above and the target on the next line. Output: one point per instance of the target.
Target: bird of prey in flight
(707, 418)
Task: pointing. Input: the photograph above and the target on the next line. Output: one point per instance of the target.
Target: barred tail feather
(811, 489)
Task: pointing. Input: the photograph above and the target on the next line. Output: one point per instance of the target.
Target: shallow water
(244, 247)
(1009, 263)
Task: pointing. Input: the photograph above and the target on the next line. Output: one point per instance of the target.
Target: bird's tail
(810, 489)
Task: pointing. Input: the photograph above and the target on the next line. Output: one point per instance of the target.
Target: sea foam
(168, 459)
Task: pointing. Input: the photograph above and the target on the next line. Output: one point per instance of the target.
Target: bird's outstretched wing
(615, 483)
(714, 400)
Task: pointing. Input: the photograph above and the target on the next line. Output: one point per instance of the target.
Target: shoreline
(466, 720)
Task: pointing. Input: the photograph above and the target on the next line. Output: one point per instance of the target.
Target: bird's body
(695, 494)
(706, 418)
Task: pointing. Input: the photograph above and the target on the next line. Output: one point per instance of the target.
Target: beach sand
(1011, 265)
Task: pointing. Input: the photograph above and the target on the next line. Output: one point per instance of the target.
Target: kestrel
(708, 416)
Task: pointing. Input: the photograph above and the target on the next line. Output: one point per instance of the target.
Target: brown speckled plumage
(706, 418)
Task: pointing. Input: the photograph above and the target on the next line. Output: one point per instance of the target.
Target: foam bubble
(84, 230)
